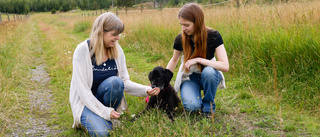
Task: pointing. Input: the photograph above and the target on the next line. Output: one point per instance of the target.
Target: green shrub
(53, 11)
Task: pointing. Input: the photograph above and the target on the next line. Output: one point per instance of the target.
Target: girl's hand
(153, 92)
(191, 62)
(114, 115)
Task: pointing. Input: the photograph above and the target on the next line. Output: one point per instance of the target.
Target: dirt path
(40, 96)
(40, 100)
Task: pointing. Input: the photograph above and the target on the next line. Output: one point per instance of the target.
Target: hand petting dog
(153, 92)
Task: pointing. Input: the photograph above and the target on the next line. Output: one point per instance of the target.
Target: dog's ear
(169, 74)
(150, 75)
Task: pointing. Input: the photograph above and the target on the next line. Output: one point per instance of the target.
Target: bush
(53, 11)
(81, 26)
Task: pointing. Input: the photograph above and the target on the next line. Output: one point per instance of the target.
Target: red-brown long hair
(193, 12)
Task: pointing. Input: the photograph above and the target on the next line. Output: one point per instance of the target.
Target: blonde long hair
(104, 23)
(193, 12)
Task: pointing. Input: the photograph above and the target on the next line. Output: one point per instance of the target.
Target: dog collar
(167, 87)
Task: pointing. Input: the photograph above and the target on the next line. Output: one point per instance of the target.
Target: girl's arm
(221, 64)
(174, 60)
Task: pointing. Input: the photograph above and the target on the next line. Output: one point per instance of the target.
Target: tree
(65, 6)
(173, 2)
(26, 9)
(84, 5)
(10, 8)
(104, 4)
(95, 5)
(125, 4)
(73, 4)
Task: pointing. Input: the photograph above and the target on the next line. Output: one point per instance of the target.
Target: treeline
(26, 6)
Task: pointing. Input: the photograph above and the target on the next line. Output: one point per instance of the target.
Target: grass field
(272, 85)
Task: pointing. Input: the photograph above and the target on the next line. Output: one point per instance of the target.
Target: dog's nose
(153, 86)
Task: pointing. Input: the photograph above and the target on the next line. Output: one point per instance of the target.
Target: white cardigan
(81, 83)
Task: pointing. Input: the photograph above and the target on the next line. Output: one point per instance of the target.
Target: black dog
(167, 99)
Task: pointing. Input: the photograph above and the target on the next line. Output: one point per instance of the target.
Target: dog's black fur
(167, 99)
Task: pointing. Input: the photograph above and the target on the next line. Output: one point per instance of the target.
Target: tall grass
(81, 26)
(152, 35)
(13, 76)
(253, 35)
(289, 33)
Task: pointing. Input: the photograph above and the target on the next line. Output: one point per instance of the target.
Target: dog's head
(160, 77)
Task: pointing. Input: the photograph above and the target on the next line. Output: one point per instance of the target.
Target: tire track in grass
(58, 50)
(40, 100)
(40, 96)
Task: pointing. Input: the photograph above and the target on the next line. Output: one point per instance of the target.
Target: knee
(117, 83)
(113, 83)
(117, 86)
(192, 105)
(210, 72)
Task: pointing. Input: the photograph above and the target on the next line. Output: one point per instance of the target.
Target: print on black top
(214, 40)
(102, 72)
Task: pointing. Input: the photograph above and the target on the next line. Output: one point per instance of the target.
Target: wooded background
(26, 6)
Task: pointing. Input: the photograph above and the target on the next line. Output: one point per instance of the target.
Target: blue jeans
(207, 81)
(109, 93)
